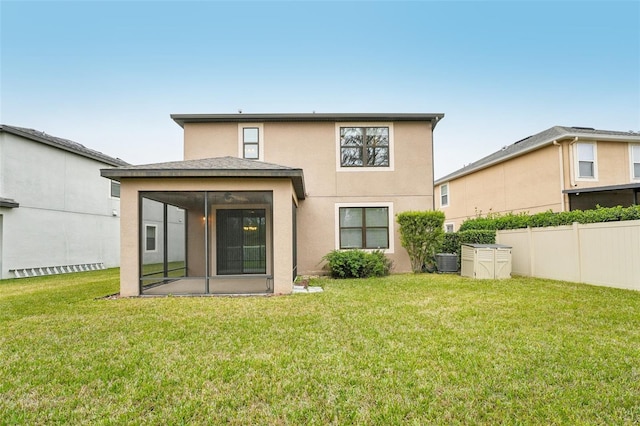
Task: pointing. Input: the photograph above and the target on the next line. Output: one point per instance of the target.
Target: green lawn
(407, 349)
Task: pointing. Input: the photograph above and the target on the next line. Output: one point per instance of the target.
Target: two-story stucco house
(56, 213)
(559, 169)
(263, 197)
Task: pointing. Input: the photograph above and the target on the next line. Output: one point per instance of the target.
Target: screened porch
(206, 242)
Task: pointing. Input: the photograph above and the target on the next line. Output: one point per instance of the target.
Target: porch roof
(603, 188)
(219, 167)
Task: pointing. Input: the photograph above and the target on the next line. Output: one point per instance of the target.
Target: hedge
(453, 240)
(495, 221)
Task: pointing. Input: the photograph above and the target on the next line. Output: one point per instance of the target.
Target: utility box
(447, 262)
(485, 261)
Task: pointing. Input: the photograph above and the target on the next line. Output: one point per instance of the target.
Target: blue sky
(109, 74)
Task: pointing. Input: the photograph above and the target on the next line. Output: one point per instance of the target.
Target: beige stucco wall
(526, 183)
(201, 142)
(281, 223)
(613, 166)
(313, 147)
(533, 182)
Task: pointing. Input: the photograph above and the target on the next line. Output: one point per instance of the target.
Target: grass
(406, 349)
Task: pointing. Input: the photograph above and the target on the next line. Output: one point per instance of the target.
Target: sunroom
(214, 226)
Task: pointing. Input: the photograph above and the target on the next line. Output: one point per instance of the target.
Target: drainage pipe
(561, 163)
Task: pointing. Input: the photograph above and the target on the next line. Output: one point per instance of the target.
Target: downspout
(571, 171)
(561, 160)
(433, 173)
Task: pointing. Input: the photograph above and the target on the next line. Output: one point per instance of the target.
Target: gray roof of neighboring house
(539, 140)
(181, 119)
(64, 144)
(220, 167)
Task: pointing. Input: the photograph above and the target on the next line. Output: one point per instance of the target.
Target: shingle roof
(220, 167)
(217, 163)
(64, 144)
(537, 141)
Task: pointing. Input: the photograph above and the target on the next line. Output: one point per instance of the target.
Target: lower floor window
(364, 227)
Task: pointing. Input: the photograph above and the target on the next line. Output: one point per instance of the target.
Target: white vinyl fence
(606, 254)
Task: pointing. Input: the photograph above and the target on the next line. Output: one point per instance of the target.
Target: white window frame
(388, 168)
(388, 205)
(445, 185)
(260, 127)
(633, 161)
(577, 162)
(155, 227)
(447, 225)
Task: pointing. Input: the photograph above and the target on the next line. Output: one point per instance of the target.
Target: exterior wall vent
(54, 270)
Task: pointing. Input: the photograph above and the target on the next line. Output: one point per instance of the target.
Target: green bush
(494, 221)
(357, 263)
(421, 235)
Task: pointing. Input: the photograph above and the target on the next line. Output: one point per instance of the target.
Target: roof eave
(581, 137)
(296, 175)
(36, 138)
(622, 187)
(181, 119)
(490, 164)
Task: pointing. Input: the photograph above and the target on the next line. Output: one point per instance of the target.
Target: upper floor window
(587, 167)
(250, 142)
(635, 162)
(115, 189)
(364, 146)
(444, 195)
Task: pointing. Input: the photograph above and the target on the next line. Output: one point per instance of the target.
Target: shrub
(357, 263)
(421, 235)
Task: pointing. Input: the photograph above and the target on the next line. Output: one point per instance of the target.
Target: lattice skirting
(53, 270)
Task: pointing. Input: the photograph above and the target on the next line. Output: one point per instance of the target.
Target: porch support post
(130, 228)
(165, 240)
(282, 238)
(206, 242)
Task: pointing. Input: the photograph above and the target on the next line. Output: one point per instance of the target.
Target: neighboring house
(56, 213)
(559, 169)
(265, 196)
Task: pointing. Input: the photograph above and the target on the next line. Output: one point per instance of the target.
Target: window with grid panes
(364, 227)
(364, 146)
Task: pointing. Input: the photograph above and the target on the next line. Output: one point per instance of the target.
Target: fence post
(532, 255)
(578, 251)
